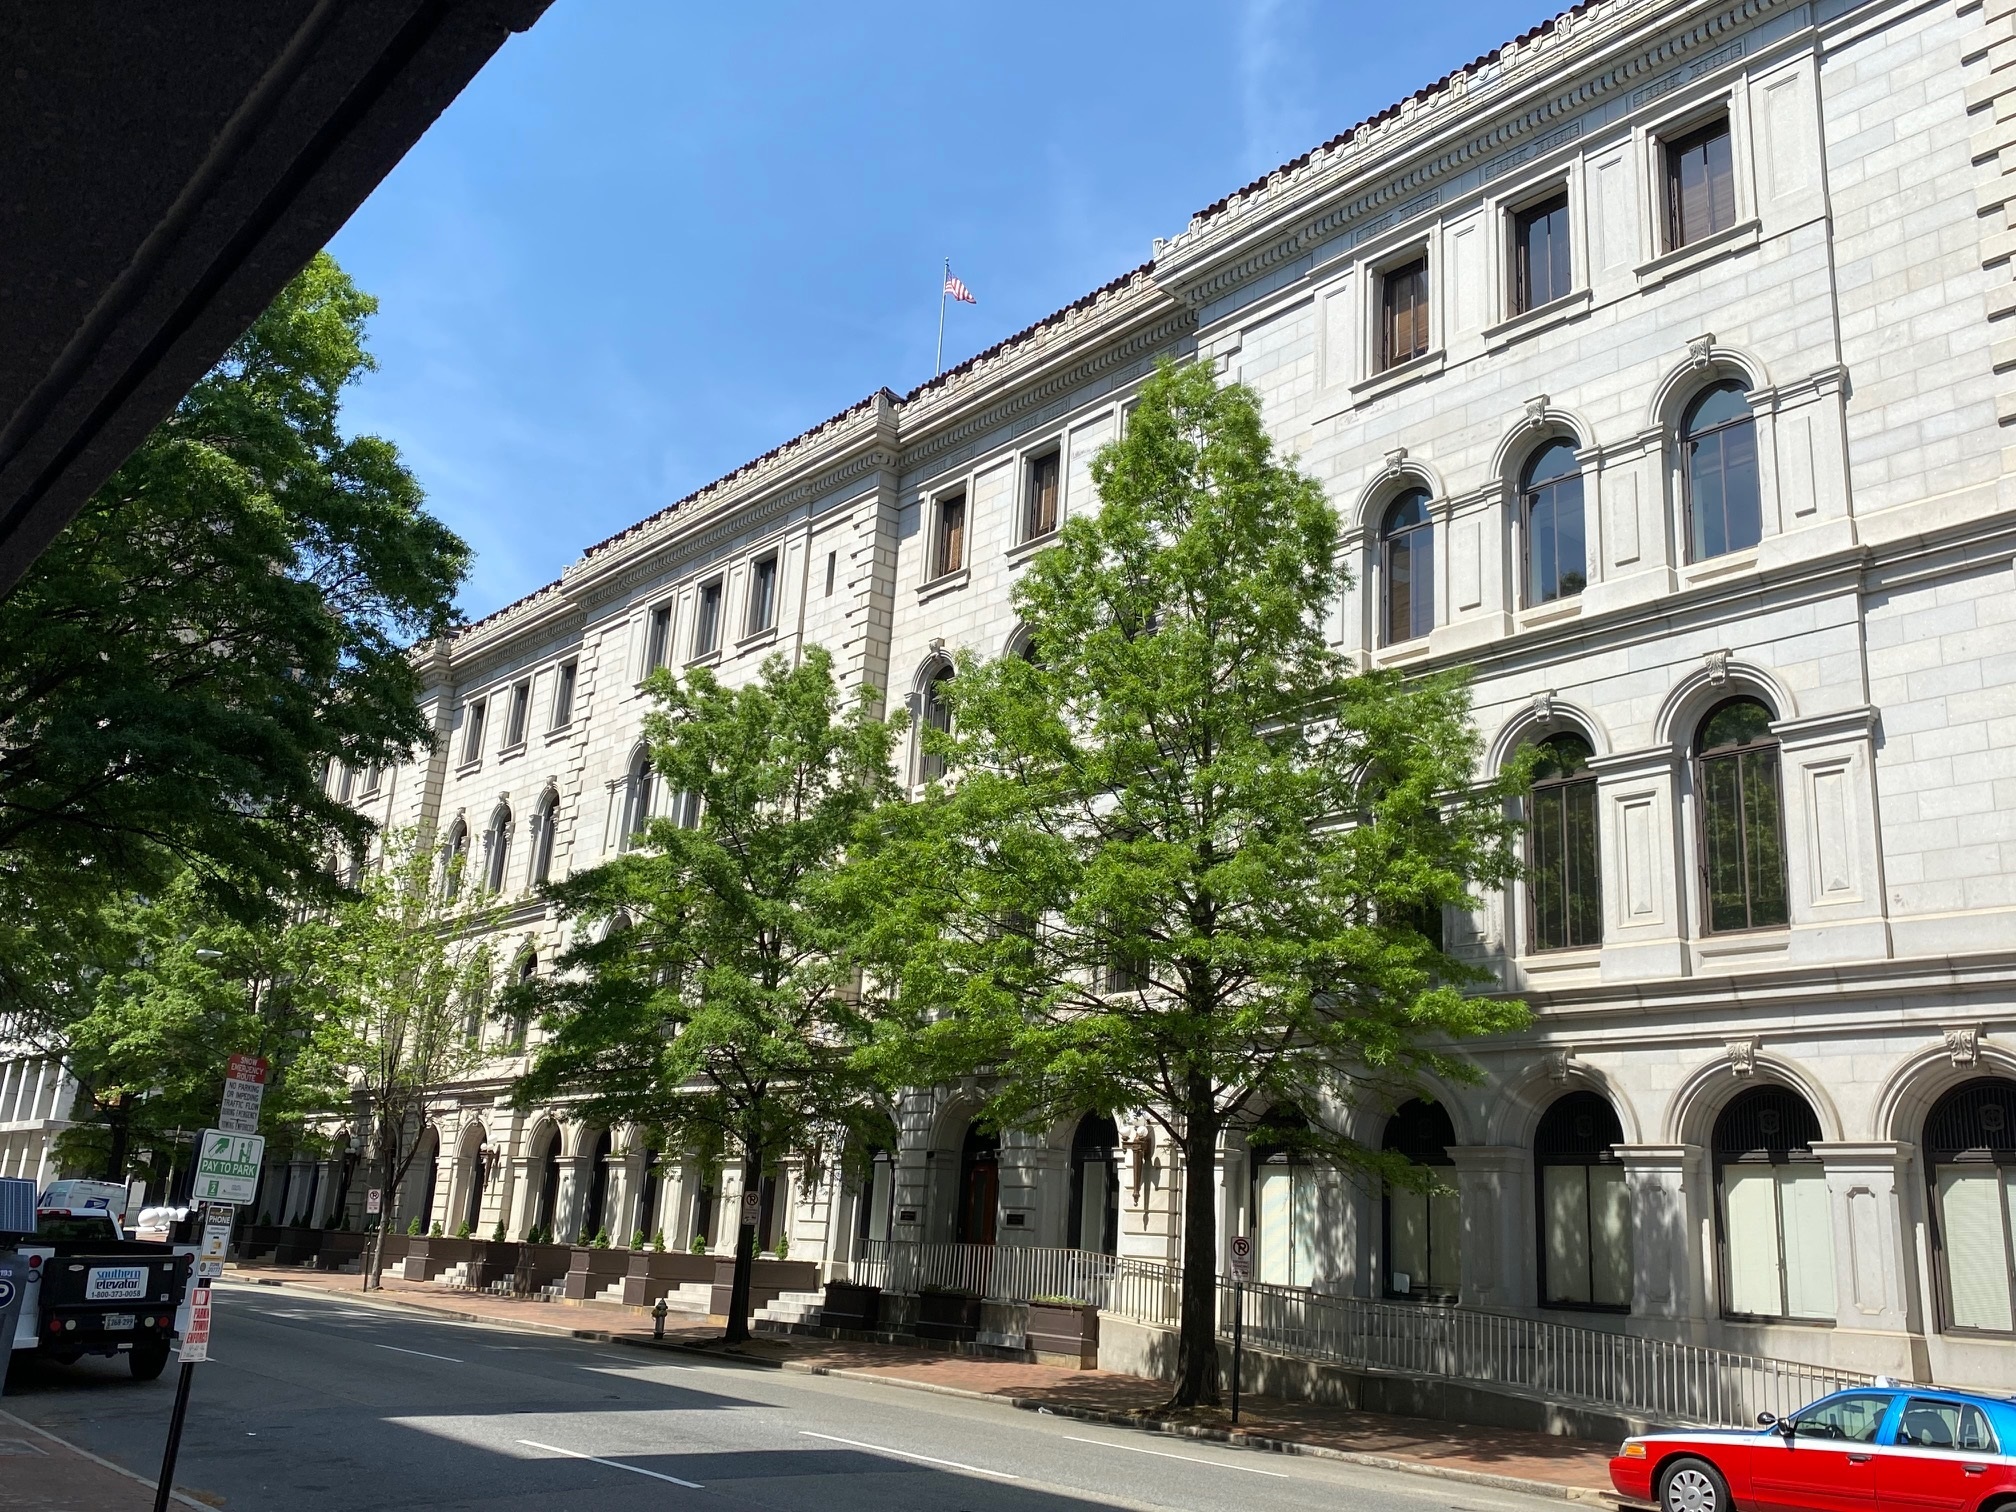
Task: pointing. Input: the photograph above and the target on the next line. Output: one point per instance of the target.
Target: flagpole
(938, 363)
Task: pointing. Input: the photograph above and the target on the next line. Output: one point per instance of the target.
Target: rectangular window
(472, 732)
(707, 625)
(951, 535)
(1700, 185)
(1403, 314)
(762, 594)
(521, 707)
(373, 775)
(658, 643)
(1039, 514)
(832, 570)
(1563, 878)
(563, 696)
(1540, 271)
(346, 782)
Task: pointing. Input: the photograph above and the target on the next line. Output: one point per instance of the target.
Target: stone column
(1493, 1184)
(514, 1203)
(1668, 1186)
(444, 1193)
(575, 1174)
(1874, 1271)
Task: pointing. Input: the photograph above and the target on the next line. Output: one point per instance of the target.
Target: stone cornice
(1296, 209)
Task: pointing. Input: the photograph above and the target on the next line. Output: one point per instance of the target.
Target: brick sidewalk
(1536, 1461)
(42, 1473)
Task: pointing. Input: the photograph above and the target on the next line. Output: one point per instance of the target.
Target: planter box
(541, 1265)
(590, 1270)
(259, 1240)
(339, 1249)
(494, 1260)
(652, 1275)
(1064, 1334)
(297, 1245)
(851, 1306)
(948, 1317)
(427, 1255)
(769, 1281)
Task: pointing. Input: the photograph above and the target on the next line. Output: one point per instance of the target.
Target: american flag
(958, 290)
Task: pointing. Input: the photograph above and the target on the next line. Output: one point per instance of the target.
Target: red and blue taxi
(1888, 1447)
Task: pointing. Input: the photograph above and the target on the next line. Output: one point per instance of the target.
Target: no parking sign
(1241, 1250)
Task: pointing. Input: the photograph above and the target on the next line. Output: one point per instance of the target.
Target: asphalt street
(323, 1403)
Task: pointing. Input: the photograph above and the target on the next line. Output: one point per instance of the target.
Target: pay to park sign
(227, 1166)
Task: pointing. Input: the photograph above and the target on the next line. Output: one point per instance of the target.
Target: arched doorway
(1283, 1200)
(979, 1187)
(476, 1167)
(875, 1199)
(1424, 1230)
(1585, 1206)
(1970, 1154)
(648, 1181)
(595, 1211)
(420, 1174)
(1094, 1220)
(1774, 1223)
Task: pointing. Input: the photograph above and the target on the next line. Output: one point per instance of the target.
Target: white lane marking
(612, 1464)
(906, 1454)
(1188, 1458)
(422, 1353)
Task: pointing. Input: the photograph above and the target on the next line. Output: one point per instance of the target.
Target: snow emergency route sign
(196, 1337)
(227, 1166)
(244, 1089)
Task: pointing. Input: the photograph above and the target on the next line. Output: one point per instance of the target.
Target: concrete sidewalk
(42, 1472)
(1540, 1462)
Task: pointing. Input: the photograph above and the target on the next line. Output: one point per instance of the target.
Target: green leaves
(710, 992)
(231, 611)
(1187, 846)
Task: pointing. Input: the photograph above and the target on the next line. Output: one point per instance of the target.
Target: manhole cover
(17, 1446)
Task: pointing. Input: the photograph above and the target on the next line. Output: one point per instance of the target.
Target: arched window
(1742, 838)
(642, 784)
(1777, 1229)
(1718, 447)
(1094, 1220)
(979, 1187)
(454, 859)
(648, 1182)
(420, 1175)
(544, 819)
(479, 1161)
(546, 1208)
(1424, 1230)
(1284, 1199)
(1550, 513)
(497, 849)
(594, 1212)
(1407, 568)
(936, 714)
(876, 1198)
(1585, 1207)
(1970, 1149)
(1564, 882)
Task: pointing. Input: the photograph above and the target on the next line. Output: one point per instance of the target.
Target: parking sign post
(1241, 1252)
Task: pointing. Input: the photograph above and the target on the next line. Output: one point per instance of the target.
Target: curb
(1234, 1438)
(99, 1459)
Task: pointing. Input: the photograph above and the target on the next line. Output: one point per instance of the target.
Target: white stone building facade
(1657, 366)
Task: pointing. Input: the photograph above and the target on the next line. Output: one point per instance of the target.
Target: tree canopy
(1187, 861)
(229, 613)
(708, 996)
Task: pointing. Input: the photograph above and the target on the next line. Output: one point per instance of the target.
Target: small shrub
(435, 1231)
(699, 1244)
(1055, 1301)
(462, 1229)
(783, 1248)
(601, 1239)
(637, 1240)
(497, 1237)
(413, 1229)
(658, 1241)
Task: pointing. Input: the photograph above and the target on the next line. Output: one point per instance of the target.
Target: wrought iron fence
(999, 1273)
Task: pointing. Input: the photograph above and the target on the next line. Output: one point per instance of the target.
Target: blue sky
(651, 241)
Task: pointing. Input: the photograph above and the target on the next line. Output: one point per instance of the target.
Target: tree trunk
(1197, 1336)
(386, 1205)
(745, 1248)
(117, 1119)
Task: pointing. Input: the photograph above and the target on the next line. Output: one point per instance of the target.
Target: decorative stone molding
(1742, 1057)
(1396, 462)
(1990, 62)
(1963, 1045)
(1543, 706)
(1701, 350)
(1559, 1064)
(1536, 412)
(1717, 663)
(1139, 1143)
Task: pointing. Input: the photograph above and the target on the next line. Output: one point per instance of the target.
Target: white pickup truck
(91, 1290)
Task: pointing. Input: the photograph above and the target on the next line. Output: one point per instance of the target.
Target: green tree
(1187, 862)
(408, 975)
(709, 994)
(228, 614)
(147, 1010)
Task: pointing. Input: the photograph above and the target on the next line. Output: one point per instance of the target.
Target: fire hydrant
(658, 1311)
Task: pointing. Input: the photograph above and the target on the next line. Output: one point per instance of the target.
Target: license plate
(115, 1283)
(117, 1322)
